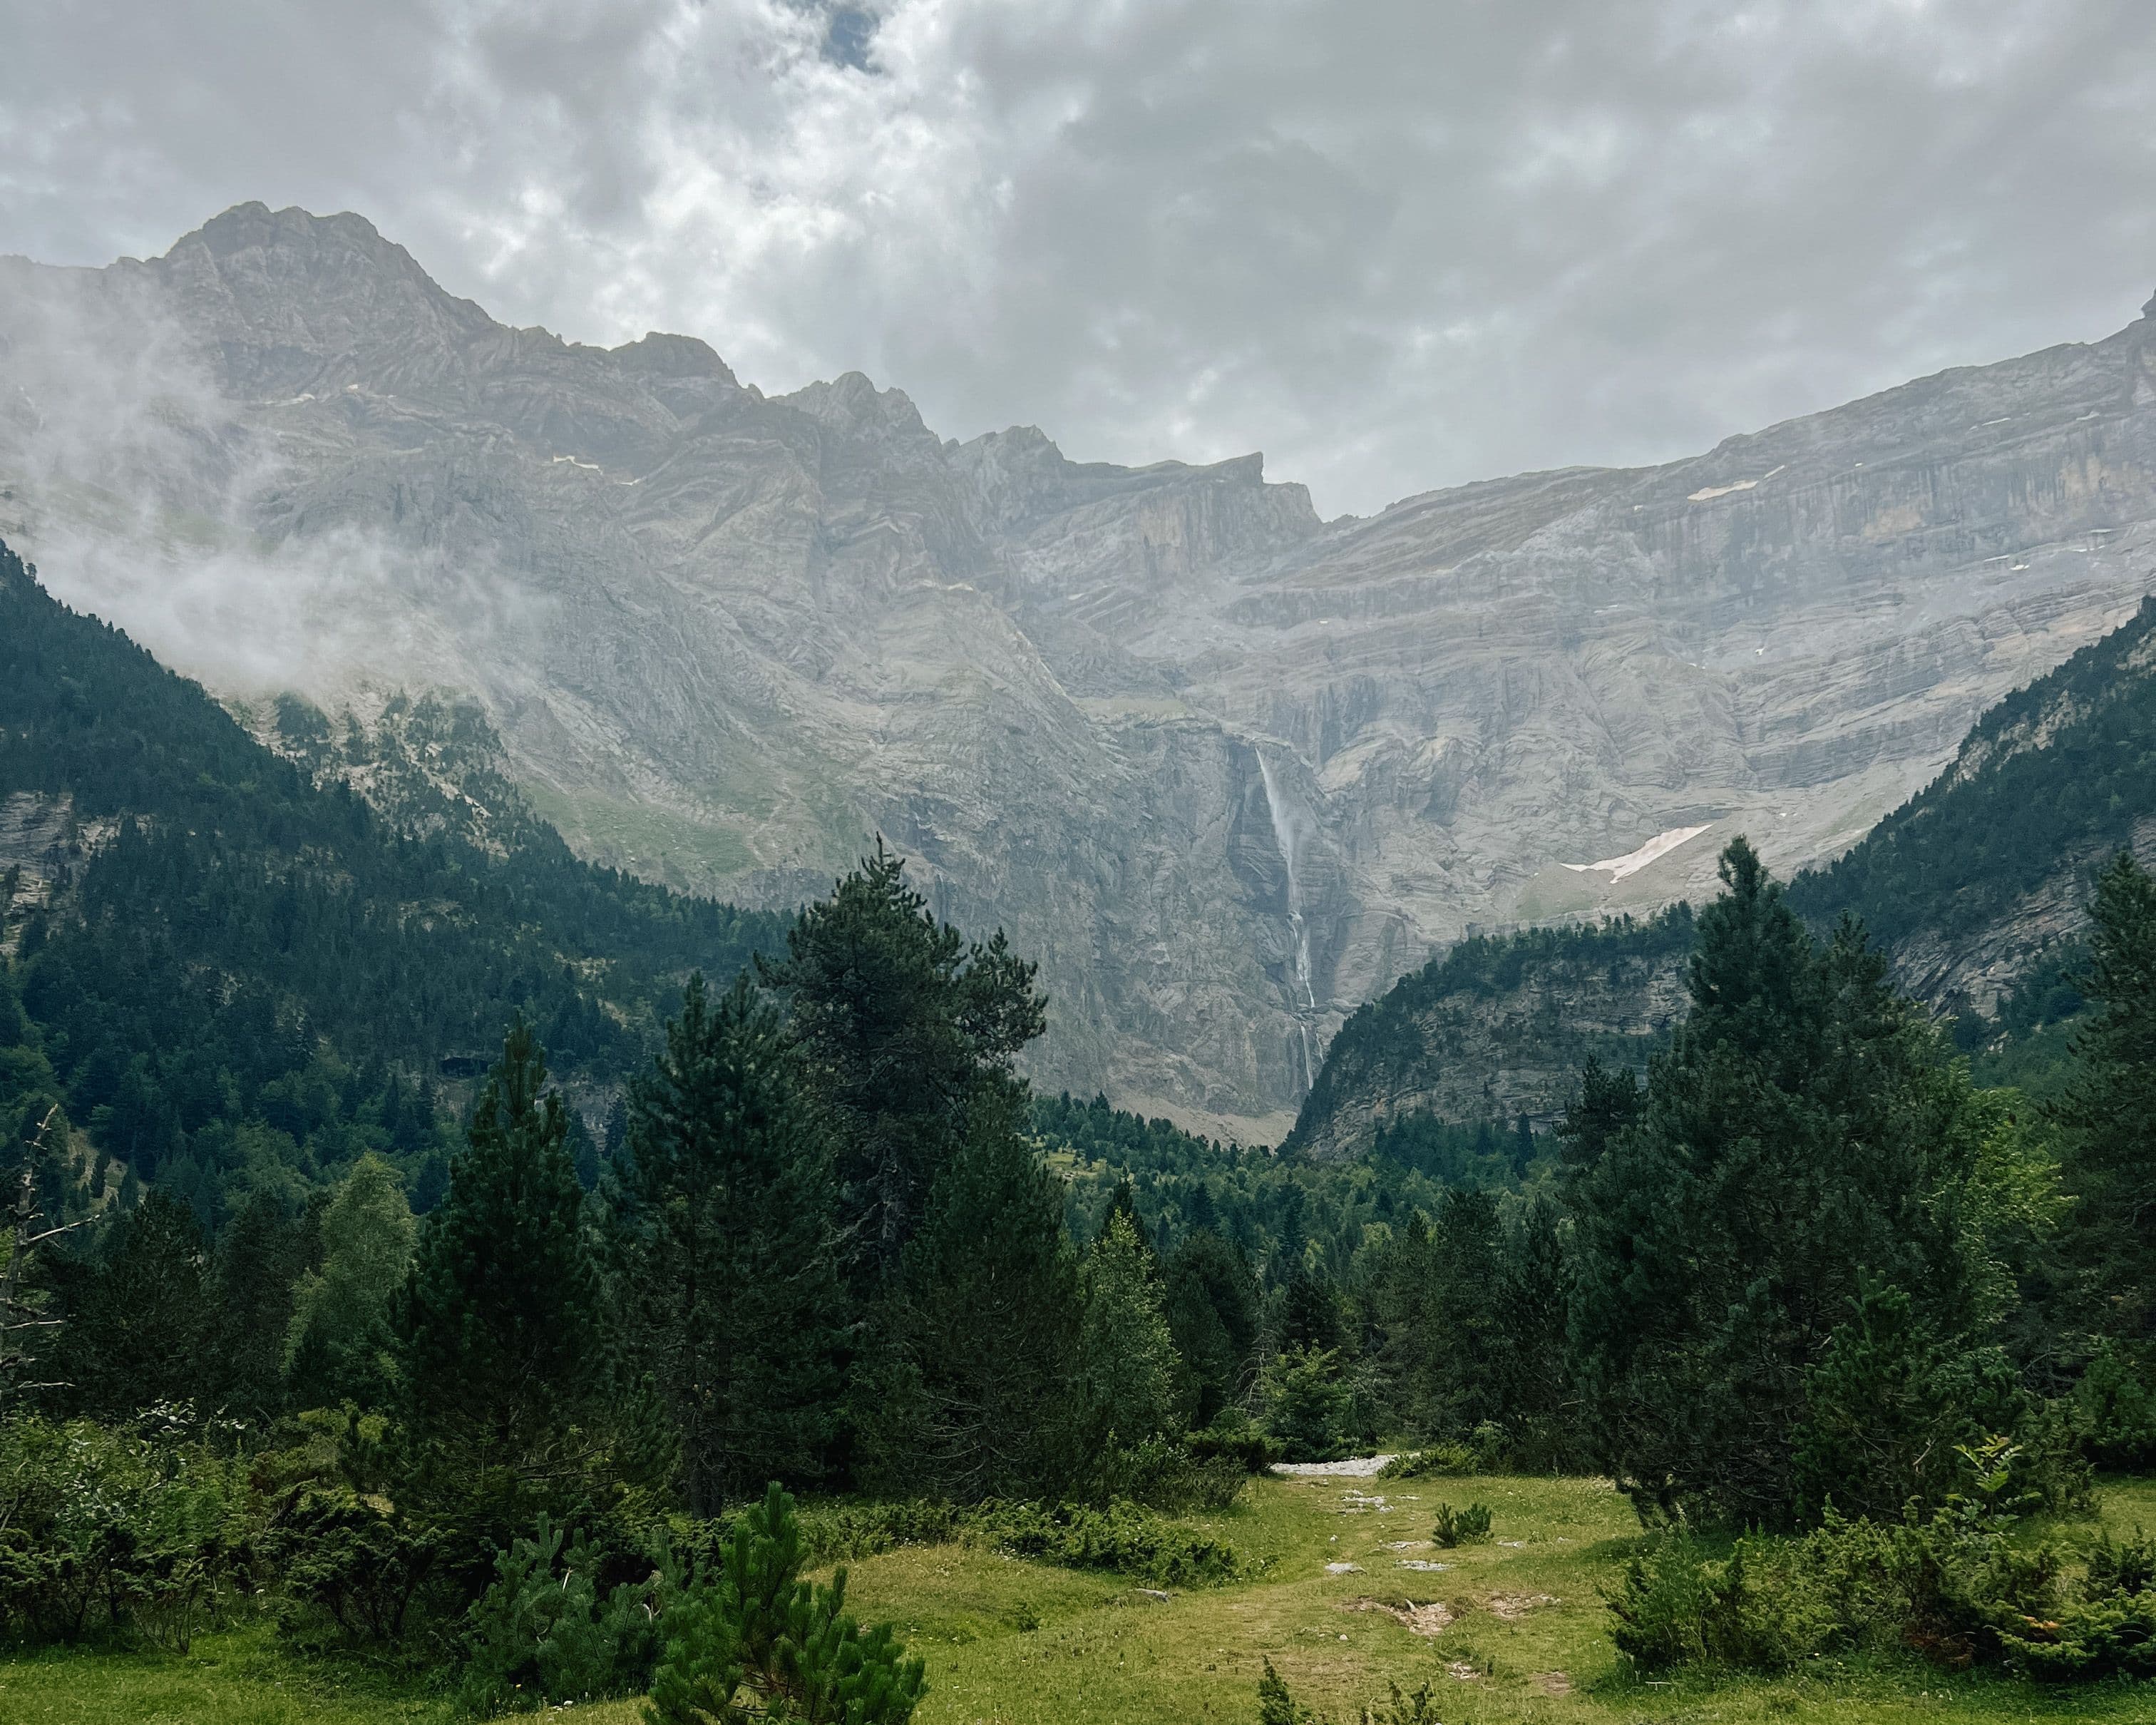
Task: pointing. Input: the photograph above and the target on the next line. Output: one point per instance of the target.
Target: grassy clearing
(241, 1677)
(1527, 1640)
(1021, 1644)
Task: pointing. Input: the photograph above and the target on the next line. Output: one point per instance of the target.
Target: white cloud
(1394, 244)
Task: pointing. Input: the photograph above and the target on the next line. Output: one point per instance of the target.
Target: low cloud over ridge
(1394, 245)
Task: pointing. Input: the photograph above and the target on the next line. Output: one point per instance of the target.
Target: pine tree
(907, 1035)
(1537, 1404)
(2110, 1113)
(504, 1365)
(1210, 1299)
(1788, 1145)
(143, 1323)
(1127, 1366)
(260, 1253)
(968, 1395)
(722, 1223)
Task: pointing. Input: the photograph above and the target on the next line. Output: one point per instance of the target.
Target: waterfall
(1285, 836)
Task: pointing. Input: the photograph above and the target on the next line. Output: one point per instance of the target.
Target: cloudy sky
(1394, 243)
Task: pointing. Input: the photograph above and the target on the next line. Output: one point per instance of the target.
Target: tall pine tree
(2110, 1113)
(968, 1394)
(907, 1035)
(507, 1371)
(1786, 1150)
(723, 1224)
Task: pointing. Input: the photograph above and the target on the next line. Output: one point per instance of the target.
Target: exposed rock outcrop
(1230, 770)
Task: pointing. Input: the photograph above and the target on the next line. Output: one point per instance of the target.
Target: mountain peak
(658, 354)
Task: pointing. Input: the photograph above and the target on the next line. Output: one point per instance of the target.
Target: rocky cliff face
(1228, 769)
(1974, 887)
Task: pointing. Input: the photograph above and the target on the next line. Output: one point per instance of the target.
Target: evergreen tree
(260, 1254)
(723, 1224)
(969, 1394)
(142, 1321)
(1309, 1315)
(1536, 1402)
(907, 1035)
(1126, 1358)
(504, 1365)
(338, 1345)
(1787, 1146)
(1210, 1300)
(2110, 1113)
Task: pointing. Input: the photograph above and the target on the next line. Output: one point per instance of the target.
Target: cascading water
(1285, 836)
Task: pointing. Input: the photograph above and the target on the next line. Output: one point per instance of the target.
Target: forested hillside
(1974, 890)
(233, 975)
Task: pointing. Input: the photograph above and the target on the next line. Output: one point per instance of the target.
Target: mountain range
(1227, 768)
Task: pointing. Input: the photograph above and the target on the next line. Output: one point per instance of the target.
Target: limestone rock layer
(1226, 769)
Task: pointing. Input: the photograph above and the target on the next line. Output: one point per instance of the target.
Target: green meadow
(1510, 1630)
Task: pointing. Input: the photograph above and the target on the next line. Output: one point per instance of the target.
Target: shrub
(1167, 1476)
(1441, 1462)
(2109, 1627)
(747, 1636)
(351, 1553)
(836, 1532)
(1762, 1609)
(1124, 1537)
(2114, 1408)
(536, 1638)
(1957, 1585)
(142, 1526)
(1461, 1527)
(1235, 1436)
(352, 1557)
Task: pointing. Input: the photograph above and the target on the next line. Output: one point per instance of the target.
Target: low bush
(1960, 1585)
(143, 1528)
(1484, 1452)
(538, 1637)
(840, 1531)
(1125, 1537)
(2114, 1408)
(2106, 1627)
(1470, 1526)
(1168, 1476)
(1235, 1436)
(350, 1555)
(746, 1637)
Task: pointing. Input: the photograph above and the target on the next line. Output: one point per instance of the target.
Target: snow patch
(1706, 493)
(1620, 868)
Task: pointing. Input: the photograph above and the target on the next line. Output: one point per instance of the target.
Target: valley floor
(1514, 1631)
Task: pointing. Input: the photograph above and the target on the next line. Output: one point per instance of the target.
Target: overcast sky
(1394, 243)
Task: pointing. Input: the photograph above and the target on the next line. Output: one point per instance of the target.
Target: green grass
(1021, 1644)
(238, 1677)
